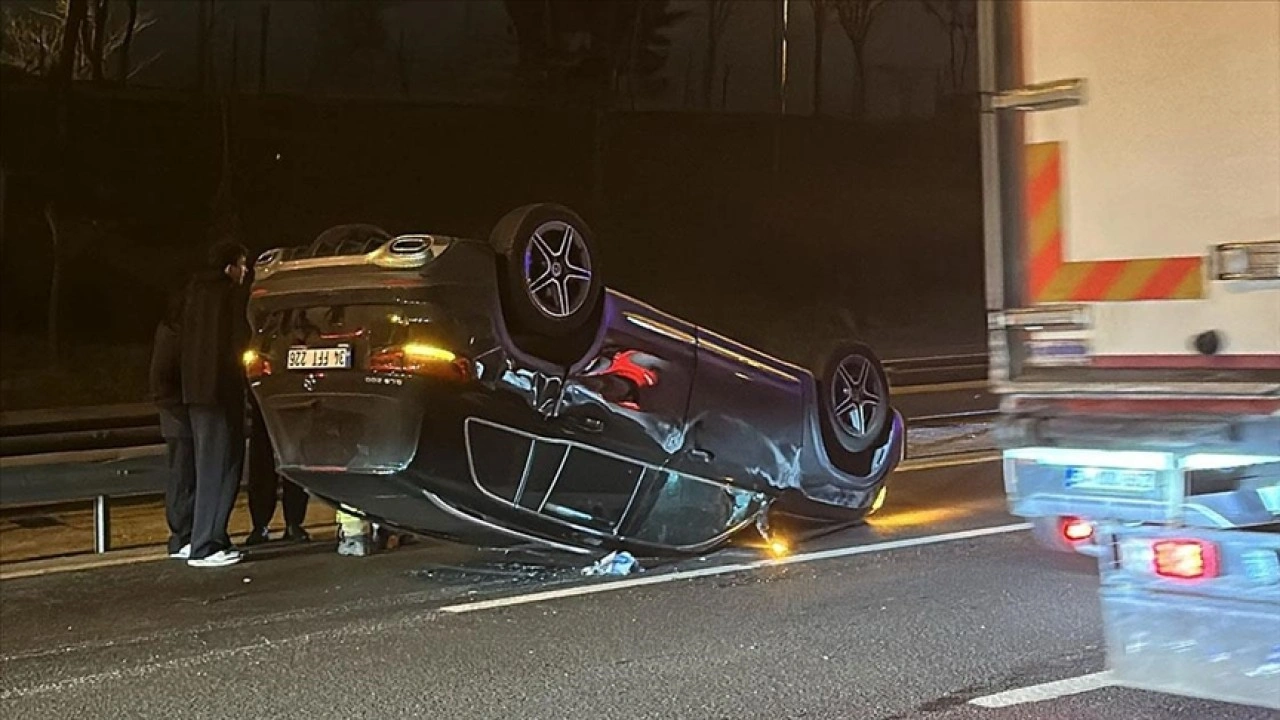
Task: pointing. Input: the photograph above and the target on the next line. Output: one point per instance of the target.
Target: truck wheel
(548, 271)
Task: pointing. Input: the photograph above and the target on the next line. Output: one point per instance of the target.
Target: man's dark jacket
(166, 381)
(215, 332)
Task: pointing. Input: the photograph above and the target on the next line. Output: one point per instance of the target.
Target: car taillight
(420, 359)
(1076, 530)
(1185, 559)
(256, 364)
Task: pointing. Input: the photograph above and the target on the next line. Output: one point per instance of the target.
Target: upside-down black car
(465, 389)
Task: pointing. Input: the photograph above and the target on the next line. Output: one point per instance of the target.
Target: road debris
(615, 563)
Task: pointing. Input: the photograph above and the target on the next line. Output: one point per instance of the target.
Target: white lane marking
(1047, 691)
(727, 569)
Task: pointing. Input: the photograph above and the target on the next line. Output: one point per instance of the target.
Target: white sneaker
(222, 558)
(182, 554)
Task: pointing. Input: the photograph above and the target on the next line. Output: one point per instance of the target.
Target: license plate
(330, 358)
(1110, 479)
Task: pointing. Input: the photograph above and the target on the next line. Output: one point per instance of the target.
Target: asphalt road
(876, 628)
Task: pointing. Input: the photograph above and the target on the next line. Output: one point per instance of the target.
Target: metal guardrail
(92, 454)
(937, 369)
(95, 454)
(96, 475)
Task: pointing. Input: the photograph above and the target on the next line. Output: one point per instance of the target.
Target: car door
(746, 417)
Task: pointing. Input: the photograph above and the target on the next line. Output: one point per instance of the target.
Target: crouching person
(355, 535)
(358, 537)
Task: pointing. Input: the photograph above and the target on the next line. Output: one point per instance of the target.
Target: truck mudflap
(1194, 612)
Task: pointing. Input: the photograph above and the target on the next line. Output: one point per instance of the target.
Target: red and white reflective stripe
(1052, 277)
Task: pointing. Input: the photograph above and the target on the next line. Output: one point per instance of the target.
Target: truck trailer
(1131, 173)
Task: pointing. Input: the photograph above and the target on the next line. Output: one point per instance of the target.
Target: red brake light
(1185, 559)
(1075, 529)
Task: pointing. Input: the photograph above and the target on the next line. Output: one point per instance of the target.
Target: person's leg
(180, 492)
(233, 472)
(262, 483)
(210, 433)
(295, 511)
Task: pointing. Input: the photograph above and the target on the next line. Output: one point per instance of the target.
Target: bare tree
(234, 73)
(32, 39)
(225, 208)
(264, 32)
(857, 17)
(577, 53)
(69, 42)
(402, 64)
(821, 14)
(718, 14)
(959, 19)
(204, 43)
(131, 27)
(100, 11)
(61, 77)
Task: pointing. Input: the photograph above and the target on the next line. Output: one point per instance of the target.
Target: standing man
(215, 331)
(175, 427)
(264, 483)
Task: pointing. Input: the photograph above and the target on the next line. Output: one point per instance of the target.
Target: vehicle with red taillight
(1131, 156)
(1132, 186)
(481, 390)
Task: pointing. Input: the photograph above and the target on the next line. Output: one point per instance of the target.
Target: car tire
(548, 271)
(853, 402)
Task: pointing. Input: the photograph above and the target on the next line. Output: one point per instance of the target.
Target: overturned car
(479, 390)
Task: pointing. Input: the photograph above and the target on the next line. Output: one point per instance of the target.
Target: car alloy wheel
(557, 269)
(855, 395)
